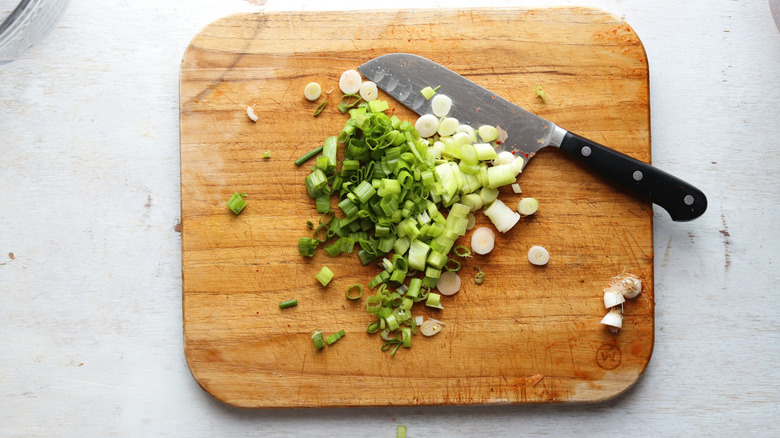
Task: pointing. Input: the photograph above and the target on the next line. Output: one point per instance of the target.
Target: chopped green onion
(377, 106)
(502, 216)
(345, 104)
(316, 337)
(307, 246)
(373, 304)
(461, 251)
(455, 265)
(267, 154)
(308, 156)
(288, 303)
(320, 108)
(541, 93)
(335, 337)
(434, 300)
(488, 133)
(527, 206)
(480, 277)
(237, 202)
(427, 92)
(351, 291)
(310, 225)
(406, 338)
(324, 276)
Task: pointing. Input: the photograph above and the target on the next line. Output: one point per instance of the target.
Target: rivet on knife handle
(681, 200)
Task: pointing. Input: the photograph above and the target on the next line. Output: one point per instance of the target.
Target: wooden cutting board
(528, 334)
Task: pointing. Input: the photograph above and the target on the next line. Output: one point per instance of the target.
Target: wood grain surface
(529, 334)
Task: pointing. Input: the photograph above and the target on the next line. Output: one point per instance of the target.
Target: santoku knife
(404, 75)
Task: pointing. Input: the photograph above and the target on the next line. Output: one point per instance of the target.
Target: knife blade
(404, 75)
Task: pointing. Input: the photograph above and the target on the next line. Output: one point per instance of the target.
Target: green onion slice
(351, 294)
(316, 337)
(452, 265)
(288, 303)
(461, 251)
(335, 337)
(324, 276)
(480, 277)
(320, 108)
(306, 157)
(237, 202)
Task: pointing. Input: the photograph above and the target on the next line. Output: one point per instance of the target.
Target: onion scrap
(621, 287)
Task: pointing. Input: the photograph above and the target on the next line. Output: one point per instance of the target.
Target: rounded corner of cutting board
(215, 23)
(215, 390)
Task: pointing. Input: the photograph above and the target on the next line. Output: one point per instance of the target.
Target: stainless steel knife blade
(404, 75)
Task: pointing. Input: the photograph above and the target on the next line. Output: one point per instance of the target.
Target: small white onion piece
(448, 126)
(527, 206)
(459, 137)
(614, 318)
(516, 188)
(441, 105)
(487, 133)
(472, 220)
(418, 320)
(488, 195)
(518, 164)
(251, 113)
(468, 130)
(485, 151)
(368, 91)
(449, 283)
(312, 91)
(483, 239)
(538, 255)
(613, 298)
(427, 125)
(349, 83)
(430, 328)
(502, 216)
(504, 157)
(437, 149)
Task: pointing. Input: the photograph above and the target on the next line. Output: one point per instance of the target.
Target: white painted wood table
(90, 270)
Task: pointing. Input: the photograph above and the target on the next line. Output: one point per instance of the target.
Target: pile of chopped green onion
(399, 193)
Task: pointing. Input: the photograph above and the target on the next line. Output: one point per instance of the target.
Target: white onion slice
(251, 113)
(349, 83)
(468, 130)
(449, 283)
(430, 328)
(448, 126)
(538, 255)
(312, 91)
(516, 188)
(441, 105)
(483, 240)
(504, 157)
(427, 125)
(368, 91)
(487, 133)
(527, 206)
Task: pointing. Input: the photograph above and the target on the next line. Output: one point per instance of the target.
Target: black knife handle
(681, 200)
